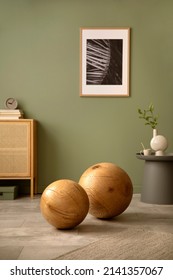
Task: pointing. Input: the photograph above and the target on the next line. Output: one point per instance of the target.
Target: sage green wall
(39, 65)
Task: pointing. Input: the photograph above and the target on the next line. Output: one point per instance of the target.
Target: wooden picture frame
(104, 62)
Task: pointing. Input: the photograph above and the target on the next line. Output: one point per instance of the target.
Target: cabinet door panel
(15, 148)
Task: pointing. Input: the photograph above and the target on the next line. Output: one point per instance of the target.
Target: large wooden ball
(64, 204)
(109, 189)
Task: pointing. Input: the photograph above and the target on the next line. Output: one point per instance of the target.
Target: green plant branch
(148, 116)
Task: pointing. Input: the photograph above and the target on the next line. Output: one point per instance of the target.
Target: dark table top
(153, 157)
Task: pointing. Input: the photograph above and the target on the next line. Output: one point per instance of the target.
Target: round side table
(157, 185)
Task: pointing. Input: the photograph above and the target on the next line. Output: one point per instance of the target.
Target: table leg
(158, 182)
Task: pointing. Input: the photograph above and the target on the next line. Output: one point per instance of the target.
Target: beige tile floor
(25, 235)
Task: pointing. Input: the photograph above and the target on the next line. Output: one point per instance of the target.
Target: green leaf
(151, 107)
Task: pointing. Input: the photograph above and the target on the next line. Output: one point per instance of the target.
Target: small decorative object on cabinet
(18, 151)
(11, 103)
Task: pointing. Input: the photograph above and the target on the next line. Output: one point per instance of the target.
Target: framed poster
(104, 61)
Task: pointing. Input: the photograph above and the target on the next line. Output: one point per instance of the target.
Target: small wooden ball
(64, 204)
(109, 189)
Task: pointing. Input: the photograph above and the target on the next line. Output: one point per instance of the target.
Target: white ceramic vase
(158, 143)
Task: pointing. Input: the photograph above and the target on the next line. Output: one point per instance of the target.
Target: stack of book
(6, 114)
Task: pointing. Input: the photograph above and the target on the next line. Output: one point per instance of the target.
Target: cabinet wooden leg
(32, 188)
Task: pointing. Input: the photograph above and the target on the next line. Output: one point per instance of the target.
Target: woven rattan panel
(14, 148)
